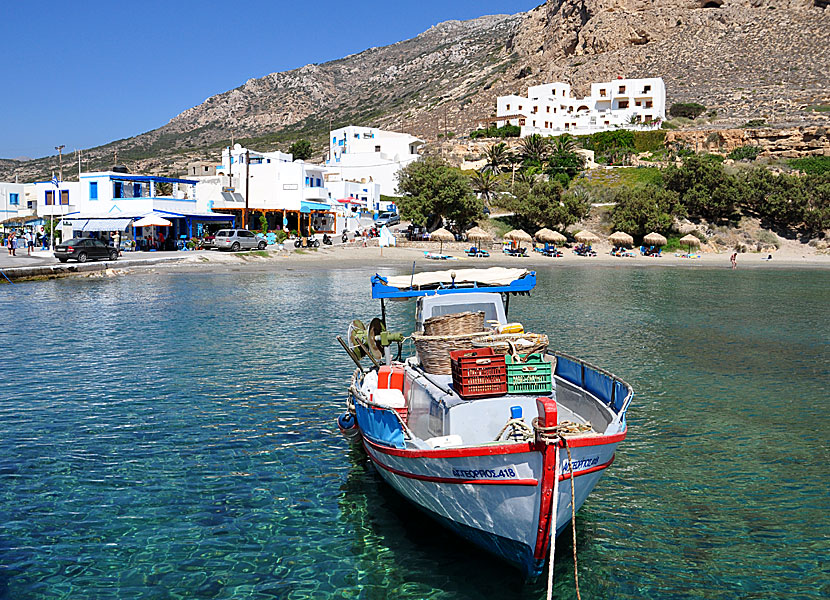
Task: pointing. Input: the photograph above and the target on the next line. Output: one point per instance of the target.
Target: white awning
(491, 276)
(100, 224)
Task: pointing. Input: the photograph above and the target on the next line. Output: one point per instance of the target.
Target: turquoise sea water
(172, 436)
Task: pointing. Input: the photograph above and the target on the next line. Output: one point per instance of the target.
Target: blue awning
(307, 206)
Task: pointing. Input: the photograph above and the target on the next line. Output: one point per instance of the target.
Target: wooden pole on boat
(553, 511)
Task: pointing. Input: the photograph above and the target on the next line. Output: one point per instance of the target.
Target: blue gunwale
(381, 288)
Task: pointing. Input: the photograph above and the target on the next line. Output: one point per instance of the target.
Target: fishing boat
(505, 467)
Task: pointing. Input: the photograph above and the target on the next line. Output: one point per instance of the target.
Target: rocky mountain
(746, 59)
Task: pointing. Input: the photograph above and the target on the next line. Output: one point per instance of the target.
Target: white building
(354, 196)
(13, 201)
(288, 193)
(371, 155)
(549, 109)
(109, 201)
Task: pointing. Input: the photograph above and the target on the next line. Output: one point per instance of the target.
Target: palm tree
(529, 175)
(534, 150)
(485, 184)
(564, 143)
(497, 158)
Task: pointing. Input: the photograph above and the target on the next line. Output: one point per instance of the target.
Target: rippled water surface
(172, 436)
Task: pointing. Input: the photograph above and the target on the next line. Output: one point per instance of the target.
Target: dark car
(84, 249)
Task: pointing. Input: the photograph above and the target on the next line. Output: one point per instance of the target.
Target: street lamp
(58, 198)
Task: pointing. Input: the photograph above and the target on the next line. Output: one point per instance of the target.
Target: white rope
(553, 514)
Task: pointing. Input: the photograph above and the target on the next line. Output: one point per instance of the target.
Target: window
(93, 190)
(548, 109)
(622, 89)
(117, 189)
(646, 89)
(319, 182)
(357, 136)
(334, 140)
(623, 103)
(602, 93)
(14, 199)
(206, 169)
(307, 181)
(136, 190)
(65, 197)
(648, 103)
(50, 198)
(508, 107)
(520, 107)
(377, 148)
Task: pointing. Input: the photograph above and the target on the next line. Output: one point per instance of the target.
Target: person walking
(12, 244)
(30, 243)
(734, 260)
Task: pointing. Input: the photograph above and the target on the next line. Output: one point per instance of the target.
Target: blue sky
(88, 72)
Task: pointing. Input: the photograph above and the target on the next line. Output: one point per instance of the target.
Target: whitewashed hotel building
(550, 110)
(371, 155)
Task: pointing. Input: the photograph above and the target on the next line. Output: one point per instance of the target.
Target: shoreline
(353, 256)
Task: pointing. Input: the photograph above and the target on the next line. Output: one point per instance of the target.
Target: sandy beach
(355, 256)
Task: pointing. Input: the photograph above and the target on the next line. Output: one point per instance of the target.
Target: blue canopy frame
(381, 288)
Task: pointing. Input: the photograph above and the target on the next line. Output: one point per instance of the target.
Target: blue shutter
(14, 199)
(93, 190)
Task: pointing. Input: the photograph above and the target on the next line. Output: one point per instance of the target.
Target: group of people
(15, 240)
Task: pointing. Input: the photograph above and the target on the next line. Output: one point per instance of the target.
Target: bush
(281, 236)
(690, 110)
(815, 165)
(649, 141)
(755, 123)
(749, 153)
(497, 132)
(602, 141)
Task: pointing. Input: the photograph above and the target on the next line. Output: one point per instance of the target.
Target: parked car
(237, 239)
(388, 219)
(84, 249)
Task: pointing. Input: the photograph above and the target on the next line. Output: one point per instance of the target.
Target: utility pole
(247, 187)
(57, 194)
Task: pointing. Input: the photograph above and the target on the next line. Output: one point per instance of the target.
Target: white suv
(237, 239)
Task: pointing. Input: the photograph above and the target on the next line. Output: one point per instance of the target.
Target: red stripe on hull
(432, 478)
(565, 476)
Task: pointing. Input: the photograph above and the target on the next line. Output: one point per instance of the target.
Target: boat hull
(496, 496)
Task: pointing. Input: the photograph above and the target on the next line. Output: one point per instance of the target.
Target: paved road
(41, 257)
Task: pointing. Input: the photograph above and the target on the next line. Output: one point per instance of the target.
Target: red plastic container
(390, 377)
(478, 373)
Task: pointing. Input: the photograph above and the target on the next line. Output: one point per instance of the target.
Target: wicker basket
(509, 343)
(434, 350)
(455, 324)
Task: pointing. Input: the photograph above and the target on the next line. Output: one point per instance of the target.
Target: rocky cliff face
(745, 59)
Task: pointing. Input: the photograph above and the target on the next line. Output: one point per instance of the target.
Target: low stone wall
(792, 142)
(63, 269)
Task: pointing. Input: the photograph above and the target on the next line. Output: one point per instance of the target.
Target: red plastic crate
(478, 373)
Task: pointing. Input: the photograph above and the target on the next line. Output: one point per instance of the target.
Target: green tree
(301, 150)
(641, 210)
(263, 223)
(429, 186)
(564, 160)
(690, 110)
(497, 157)
(485, 184)
(534, 150)
(704, 187)
(544, 204)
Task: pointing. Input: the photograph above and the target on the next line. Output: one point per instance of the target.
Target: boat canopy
(495, 279)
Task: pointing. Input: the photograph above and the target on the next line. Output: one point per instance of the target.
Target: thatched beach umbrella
(586, 237)
(518, 235)
(620, 238)
(544, 235)
(690, 241)
(477, 234)
(442, 235)
(655, 239)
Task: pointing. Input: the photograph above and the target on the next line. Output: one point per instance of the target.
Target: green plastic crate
(533, 376)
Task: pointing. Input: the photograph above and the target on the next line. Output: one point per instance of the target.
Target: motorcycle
(310, 242)
(326, 239)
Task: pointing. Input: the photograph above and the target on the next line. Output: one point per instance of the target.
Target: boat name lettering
(508, 472)
(582, 463)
